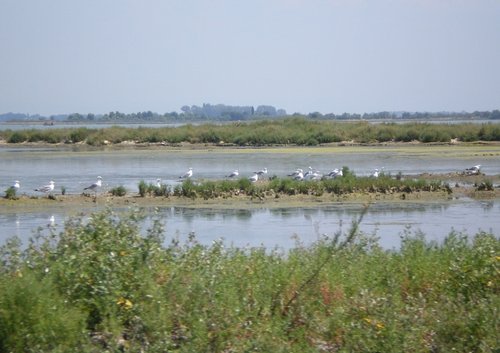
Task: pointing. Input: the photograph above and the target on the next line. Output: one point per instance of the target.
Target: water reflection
(283, 227)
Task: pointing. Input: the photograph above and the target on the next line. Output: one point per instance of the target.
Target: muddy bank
(241, 201)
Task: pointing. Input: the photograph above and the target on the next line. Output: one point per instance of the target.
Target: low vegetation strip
(102, 285)
(291, 131)
(275, 187)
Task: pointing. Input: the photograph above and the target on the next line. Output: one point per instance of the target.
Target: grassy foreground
(101, 285)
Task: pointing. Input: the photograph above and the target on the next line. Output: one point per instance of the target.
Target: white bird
(254, 178)
(46, 188)
(234, 174)
(52, 221)
(297, 172)
(95, 185)
(261, 172)
(299, 175)
(308, 173)
(376, 173)
(158, 183)
(187, 174)
(473, 170)
(336, 173)
(312, 174)
(16, 185)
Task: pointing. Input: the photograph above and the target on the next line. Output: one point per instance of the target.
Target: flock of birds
(299, 174)
(47, 189)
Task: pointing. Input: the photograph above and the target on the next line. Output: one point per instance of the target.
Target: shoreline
(76, 202)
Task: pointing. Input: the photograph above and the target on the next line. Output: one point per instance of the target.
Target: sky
(327, 56)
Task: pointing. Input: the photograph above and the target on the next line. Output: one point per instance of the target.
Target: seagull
(296, 173)
(52, 221)
(376, 172)
(187, 174)
(254, 178)
(473, 170)
(46, 188)
(95, 186)
(234, 174)
(336, 173)
(158, 183)
(312, 174)
(16, 185)
(261, 172)
(299, 175)
(308, 173)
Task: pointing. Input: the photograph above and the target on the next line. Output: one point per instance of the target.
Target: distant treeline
(224, 113)
(290, 131)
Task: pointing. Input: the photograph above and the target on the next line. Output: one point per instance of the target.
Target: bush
(143, 188)
(10, 194)
(118, 191)
(17, 137)
(79, 135)
(487, 185)
(34, 317)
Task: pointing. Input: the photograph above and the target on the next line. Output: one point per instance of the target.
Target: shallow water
(74, 169)
(283, 227)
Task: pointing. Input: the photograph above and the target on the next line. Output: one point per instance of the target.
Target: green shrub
(18, 137)
(79, 135)
(34, 317)
(118, 191)
(143, 188)
(486, 185)
(10, 194)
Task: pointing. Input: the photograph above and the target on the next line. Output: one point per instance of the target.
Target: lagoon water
(76, 168)
(282, 228)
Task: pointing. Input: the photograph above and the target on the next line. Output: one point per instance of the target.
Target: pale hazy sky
(331, 56)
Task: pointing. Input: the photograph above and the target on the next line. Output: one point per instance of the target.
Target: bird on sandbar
(187, 174)
(46, 188)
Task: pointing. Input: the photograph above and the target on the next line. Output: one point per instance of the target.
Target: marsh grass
(102, 285)
(273, 187)
(290, 131)
(118, 191)
(11, 193)
(150, 189)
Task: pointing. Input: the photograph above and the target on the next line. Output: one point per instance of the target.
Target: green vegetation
(275, 187)
(101, 285)
(10, 194)
(118, 191)
(486, 185)
(153, 190)
(291, 131)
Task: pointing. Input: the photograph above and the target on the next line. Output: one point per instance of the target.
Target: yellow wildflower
(125, 303)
